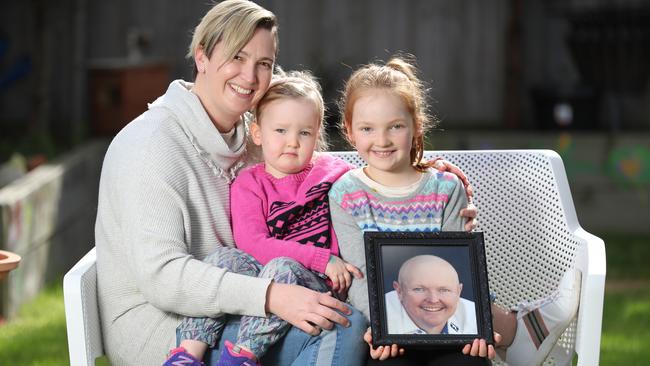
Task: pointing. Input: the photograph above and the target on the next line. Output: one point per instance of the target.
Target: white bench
(531, 232)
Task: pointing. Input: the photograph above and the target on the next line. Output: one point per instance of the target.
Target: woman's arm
(153, 236)
(469, 211)
(443, 165)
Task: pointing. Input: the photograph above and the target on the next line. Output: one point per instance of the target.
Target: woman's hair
(295, 85)
(399, 76)
(232, 22)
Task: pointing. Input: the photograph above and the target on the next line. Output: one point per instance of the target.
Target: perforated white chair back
(531, 233)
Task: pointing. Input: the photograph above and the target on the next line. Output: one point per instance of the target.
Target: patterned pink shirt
(287, 217)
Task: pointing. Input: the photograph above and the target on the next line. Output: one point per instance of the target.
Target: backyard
(37, 336)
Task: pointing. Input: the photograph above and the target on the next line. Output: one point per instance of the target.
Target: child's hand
(382, 352)
(481, 348)
(338, 271)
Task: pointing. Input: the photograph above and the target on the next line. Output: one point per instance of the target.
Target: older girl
(384, 116)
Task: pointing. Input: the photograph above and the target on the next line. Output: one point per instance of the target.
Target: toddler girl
(280, 216)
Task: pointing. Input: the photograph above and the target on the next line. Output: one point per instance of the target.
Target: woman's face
(228, 88)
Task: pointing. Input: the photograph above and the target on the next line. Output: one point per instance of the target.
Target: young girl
(384, 116)
(280, 214)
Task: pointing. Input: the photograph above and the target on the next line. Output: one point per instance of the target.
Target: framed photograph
(428, 290)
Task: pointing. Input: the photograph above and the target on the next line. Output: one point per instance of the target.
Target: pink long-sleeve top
(287, 217)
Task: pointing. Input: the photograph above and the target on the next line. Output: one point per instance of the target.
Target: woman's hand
(338, 271)
(443, 165)
(470, 212)
(308, 310)
(481, 348)
(382, 352)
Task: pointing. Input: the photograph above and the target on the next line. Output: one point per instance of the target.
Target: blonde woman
(164, 205)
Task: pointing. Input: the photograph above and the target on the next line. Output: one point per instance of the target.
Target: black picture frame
(385, 254)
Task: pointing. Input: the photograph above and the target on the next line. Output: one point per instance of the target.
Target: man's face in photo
(429, 289)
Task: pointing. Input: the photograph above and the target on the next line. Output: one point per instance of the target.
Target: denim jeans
(339, 346)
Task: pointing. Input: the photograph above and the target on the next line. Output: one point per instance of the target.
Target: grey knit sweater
(164, 204)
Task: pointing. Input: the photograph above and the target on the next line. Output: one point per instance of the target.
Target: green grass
(626, 313)
(37, 336)
(626, 328)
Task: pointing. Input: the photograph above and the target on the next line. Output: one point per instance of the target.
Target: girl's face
(382, 132)
(287, 130)
(228, 88)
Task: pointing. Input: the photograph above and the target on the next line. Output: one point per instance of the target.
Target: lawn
(626, 328)
(626, 318)
(37, 335)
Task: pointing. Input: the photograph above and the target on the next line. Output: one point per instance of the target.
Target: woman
(164, 205)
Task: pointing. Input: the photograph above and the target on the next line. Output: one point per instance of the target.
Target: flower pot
(8, 261)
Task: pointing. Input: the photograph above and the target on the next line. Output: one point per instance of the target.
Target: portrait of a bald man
(426, 300)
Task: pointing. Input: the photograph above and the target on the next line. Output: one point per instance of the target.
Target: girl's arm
(352, 250)
(453, 221)
(350, 239)
(252, 235)
(339, 271)
(451, 217)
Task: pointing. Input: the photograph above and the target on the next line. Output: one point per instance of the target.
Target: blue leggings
(255, 333)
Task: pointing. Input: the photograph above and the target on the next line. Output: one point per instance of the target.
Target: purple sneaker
(235, 356)
(179, 357)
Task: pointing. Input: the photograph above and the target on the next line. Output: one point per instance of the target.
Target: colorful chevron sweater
(287, 217)
(433, 205)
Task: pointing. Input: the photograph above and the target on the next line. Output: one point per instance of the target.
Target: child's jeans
(339, 346)
(255, 333)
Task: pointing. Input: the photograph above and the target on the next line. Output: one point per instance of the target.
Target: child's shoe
(540, 325)
(179, 356)
(236, 356)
